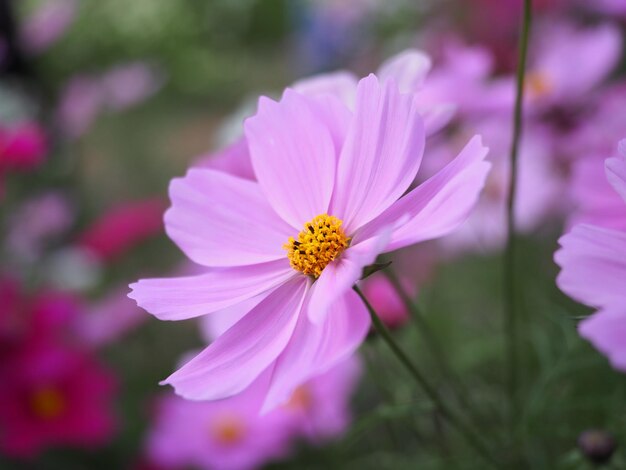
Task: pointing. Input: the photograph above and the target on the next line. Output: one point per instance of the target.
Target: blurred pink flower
(26, 318)
(230, 434)
(554, 79)
(35, 222)
(321, 406)
(312, 156)
(23, 146)
(593, 269)
(52, 396)
(219, 435)
(85, 97)
(80, 103)
(47, 24)
(595, 200)
(123, 227)
(386, 301)
(129, 84)
(108, 319)
(539, 186)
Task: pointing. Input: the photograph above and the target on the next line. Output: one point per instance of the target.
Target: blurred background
(103, 102)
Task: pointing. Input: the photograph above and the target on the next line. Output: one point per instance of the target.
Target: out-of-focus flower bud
(597, 445)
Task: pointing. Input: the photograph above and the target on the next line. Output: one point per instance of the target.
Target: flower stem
(443, 364)
(510, 320)
(430, 391)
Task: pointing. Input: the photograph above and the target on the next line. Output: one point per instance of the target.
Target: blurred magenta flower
(23, 146)
(25, 317)
(312, 157)
(593, 269)
(79, 105)
(53, 396)
(386, 301)
(123, 227)
(47, 24)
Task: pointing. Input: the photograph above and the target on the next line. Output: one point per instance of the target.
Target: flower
(386, 301)
(23, 146)
(47, 24)
(553, 79)
(321, 406)
(227, 434)
(329, 180)
(52, 396)
(122, 227)
(593, 268)
(231, 434)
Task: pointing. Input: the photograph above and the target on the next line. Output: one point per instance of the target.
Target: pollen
(321, 241)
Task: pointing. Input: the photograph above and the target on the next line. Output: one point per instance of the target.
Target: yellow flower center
(47, 403)
(228, 430)
(321, 241)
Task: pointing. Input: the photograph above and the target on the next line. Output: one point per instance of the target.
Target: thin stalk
(458, 387)
(430, 391)
(511, 314)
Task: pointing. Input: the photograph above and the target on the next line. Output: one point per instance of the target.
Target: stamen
(318, 244)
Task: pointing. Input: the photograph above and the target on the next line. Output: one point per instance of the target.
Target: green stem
(511, 314)
(430, 391)
(458, 387)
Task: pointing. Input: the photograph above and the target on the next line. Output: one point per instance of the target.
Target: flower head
(316, 160)
(593, 269)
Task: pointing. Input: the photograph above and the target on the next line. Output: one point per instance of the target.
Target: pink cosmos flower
(593, 268)
(108, 319)
(321, 406)
(554, 79)
(36, 222)
(85, 97)
(123, 227)
(23, 146)
(328, 198)
(32, 318)
(47, 24)
(539, 185)
(230, 434)
(53, 396)
(219, 435)
(386, 301)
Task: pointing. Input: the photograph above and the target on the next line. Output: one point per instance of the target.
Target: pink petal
(408, 69)
(381, 155)
(340, 84)
(293, 156)
(314, 349)
(215, 325)
(616, 171)
(606, 329)
(440, 204)
(180, 298)
(340, 275)
(221, 220)
(240, 355)
(593, 265)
